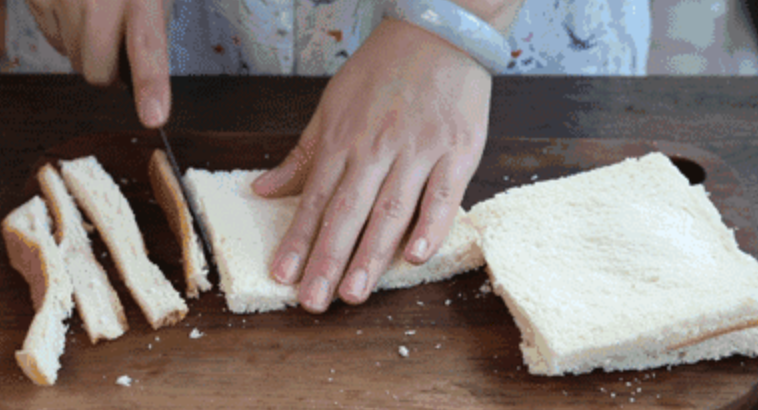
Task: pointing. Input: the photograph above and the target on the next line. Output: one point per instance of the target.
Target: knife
(125, 75)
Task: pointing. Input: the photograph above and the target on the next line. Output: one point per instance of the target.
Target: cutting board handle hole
(690, 169)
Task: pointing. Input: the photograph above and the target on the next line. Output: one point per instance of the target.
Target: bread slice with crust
(245, 230)
(96, 301)
(32, 251)
(623, 267)
(104, 204)
(169, 196)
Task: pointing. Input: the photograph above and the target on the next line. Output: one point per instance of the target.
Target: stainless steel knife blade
(190, 204)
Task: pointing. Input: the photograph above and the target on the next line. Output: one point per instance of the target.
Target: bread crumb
(266, 156)
(534, 177)
(485, 288)
(331, 371)
(565, 393)
(149, 346)
(134, 140)
(420, 303)
(124, 380)
(505, 177)
(124, 181)
(628, 384)
(330, 379)
(410, 332)
(448, 302)
(196, 334)
(389, 317)
(657, 396)
(613, 395)
(359, 332)
(403, 351)
(639, 390)
(631, 400)
(439, 346)
(157, 338)
(602, 389)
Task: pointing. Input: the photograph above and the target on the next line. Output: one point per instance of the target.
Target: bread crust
(64, 230)
(170, 198)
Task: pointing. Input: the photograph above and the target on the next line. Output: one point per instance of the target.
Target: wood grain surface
(464, 353)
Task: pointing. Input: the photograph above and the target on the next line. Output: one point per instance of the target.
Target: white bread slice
(101, 199)
(623, 267)
(169, 196)
(245, 230)
(97, 303)
(32, 251)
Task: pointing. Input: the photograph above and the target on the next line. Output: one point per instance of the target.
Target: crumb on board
(403, 351)
(157, 338)
(359, 332)
(505, 177)
(534, 177)
(410, 332)
(439, 346)
(149, 346)
(124, 380)
(134, 140)
(448, 302)
(196, 334)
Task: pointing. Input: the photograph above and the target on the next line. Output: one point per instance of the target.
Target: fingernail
(152, 112)
(318, 298)
(358, 286)
(419, 248)
(264, 179)
(286, 269)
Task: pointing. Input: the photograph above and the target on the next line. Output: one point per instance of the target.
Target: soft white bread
(245, 230)
(32, 251)
(623, 267)
(97, 303)
(101, 199)
(169, 196)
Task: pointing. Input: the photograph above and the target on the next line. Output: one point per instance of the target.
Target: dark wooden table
(716, 114)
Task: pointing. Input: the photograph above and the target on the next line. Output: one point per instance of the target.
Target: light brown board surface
(462, 355)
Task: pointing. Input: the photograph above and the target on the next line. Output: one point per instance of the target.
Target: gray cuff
(456, 25)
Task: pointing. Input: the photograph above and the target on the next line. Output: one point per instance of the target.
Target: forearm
(500, 14)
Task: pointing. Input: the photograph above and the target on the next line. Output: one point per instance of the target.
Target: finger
(71, 16)
(439, 206)
(289, 177)
(146, 45)
(343, 221)
(47, 19)
(103, 32)
(294, 247)
(389, 220)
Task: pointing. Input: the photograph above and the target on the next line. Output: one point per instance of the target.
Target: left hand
(406, 115)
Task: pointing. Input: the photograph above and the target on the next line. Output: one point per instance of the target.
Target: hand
(406, 115)
(91, 33)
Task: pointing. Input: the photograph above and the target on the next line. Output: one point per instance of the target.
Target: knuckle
(312, 204)
(346, 203)
(444, 195)
(392, 208)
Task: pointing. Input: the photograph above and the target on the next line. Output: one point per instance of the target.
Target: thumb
(289, 177)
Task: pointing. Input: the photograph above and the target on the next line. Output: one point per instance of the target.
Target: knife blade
(125, 75)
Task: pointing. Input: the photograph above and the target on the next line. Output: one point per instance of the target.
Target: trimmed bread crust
(245, 229)
(617, 268)
(169, 196)
(105, 205)
(96, 301)
(32, 251)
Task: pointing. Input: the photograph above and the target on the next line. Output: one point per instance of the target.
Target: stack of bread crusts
(625, 267)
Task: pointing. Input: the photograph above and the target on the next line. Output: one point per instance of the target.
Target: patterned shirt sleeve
(315, 37)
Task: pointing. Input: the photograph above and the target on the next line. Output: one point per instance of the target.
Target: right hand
(91, 33)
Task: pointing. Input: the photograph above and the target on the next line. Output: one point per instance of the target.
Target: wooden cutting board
(464, 352)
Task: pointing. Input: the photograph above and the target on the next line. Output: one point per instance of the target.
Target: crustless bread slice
(101, 199)
(97, 303)
(169, 196)
(33, 252)
(245, 230)
(623, 267)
